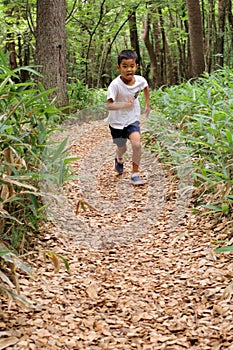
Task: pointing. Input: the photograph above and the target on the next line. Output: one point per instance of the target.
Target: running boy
(124, 111)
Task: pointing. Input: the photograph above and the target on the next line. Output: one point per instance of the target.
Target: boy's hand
(146, 112)
(127, 104)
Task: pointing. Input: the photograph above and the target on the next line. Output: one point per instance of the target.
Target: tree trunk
(210, 41)
(196, 37)
(151, 52)
(10, 42)
(134, 36)
(51, 47)
(221, 30)
(230, 18)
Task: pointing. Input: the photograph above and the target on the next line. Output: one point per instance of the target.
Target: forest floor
(143, 272)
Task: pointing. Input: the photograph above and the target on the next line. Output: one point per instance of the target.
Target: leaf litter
(163, 289)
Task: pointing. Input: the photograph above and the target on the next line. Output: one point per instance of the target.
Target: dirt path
(143, 272)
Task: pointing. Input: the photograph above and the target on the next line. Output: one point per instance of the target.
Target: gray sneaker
(137, 181)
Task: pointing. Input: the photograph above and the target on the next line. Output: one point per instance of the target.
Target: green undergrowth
(27, 118)
(193, 123)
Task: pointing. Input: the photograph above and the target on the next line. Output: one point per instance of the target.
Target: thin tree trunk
(221, 31)
(115, 37)
(163, 61)
(157, 50)
(150, 49)
(210, 38)
(134, 37)
(196, 37)
(90, 57)
(10, 42)
(166, 60)
(230, 18)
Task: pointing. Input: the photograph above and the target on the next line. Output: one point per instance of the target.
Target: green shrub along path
(143, 271)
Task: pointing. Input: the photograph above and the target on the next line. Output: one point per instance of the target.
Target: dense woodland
(174, 40)
(58, 57)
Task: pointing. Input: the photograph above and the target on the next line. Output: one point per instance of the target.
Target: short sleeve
(112, 91)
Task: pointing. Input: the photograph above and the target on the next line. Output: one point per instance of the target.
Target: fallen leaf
(4, 343)
(92, 291)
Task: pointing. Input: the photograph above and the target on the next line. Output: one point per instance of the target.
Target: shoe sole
(118, 172)
(138, 183)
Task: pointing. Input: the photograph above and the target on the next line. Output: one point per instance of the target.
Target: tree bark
(51, 47)
(196, 37)
(151, 52)
(230, 18)
(210, 40)
(134, 37)
(221, 30)
(10, 42)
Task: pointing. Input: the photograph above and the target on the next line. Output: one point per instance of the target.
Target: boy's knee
(136, 145)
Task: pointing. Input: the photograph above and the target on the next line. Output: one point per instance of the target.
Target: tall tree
(230, 18)
(222, 5)
(134, 36)
(196, 37)
(210, 40)
(11, 12)
(153, 52)
(51, 47)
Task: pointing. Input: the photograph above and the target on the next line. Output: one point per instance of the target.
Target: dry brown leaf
(92, 290)
(4, 343)
(228, 292)
(43, 333)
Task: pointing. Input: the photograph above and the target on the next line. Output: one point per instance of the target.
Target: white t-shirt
(118, 91)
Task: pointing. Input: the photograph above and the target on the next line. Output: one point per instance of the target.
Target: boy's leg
(119, 139)
(119, 160)
(120, 152)
(135, 140)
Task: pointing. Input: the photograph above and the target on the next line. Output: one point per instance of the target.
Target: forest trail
(143, 272)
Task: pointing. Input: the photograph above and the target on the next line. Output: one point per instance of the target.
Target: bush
(202, 112)
(26, 119)
(81, 97)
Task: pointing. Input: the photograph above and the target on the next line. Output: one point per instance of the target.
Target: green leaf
(16, 296)
(228, 248)
(54, 257)
(70, 160)
(10, 257)
(225, 208)
(67, 266)
(215, 208)
(229, 136)
(59, 150)
(4, 252)
(28, 69)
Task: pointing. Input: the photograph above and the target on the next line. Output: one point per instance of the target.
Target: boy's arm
(147, 100)
(113, 106)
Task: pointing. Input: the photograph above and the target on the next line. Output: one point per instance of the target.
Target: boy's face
(128, 68)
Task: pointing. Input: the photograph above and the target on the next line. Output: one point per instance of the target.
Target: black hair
(127, 54)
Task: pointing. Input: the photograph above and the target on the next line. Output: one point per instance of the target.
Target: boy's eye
(127, 66)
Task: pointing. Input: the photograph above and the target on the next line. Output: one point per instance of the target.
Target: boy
(124, 111)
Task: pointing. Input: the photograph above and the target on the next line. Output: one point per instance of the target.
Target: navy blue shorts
(120, 136)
